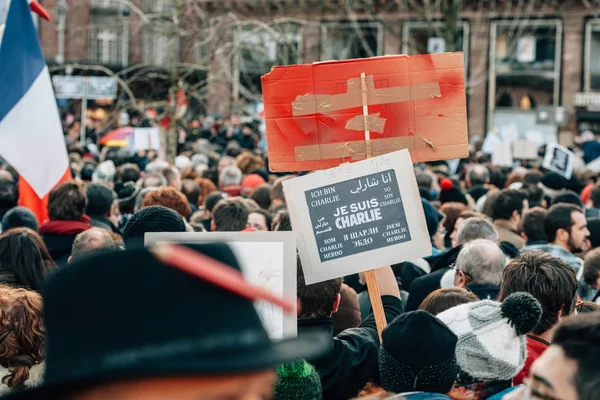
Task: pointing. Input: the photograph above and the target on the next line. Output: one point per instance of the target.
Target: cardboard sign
(317, 114)
(357, 217)
(145, 139)
(559, 159)
(267, 259)
(525, 150)
(502, 154)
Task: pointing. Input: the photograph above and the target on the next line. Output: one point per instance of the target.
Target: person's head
(262, 196)
(443, 299)
(319, 300)
(535, 196)
(424, 180)
(19, 217)
(24, 258)
(22, 334)
(476, 228)
(91, 241)
(452, 212)
(173, 177)
(168, 197)
(567, 197)
(478, 175)
(566, 226)
(549, 279)
(206, 188)
(212, 200)
(100, 199)
(151, 219)
(191, 190)
(105, 172)
(479, 262)
(532, 177)
(569, 368)
(224, 162)
(490, 202)
(591, 269)
(260, 220)
(418, 353)
(129, 173)
(230, 176)
(67, 202)
(248, 162)
(533, 225)
(510, 206)
(9, 195)
(153, 180)
(277, 196)
(465, 215)
(229, 215)
(594, 200)
(281, 221)
(250, 183)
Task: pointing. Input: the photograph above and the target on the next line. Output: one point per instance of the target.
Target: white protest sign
(357, 217)
(491, 141)
(267, 260)
(502, 154)
(559, 159)
(525, 150)
(509, 133)
(145, 139)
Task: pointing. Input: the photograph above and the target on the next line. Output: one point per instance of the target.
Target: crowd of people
(506, 306)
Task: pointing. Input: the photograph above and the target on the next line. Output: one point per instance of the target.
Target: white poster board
(145, 139)
(502, 154)
(267, 259)
(525, 150)
(357, 217)
(559, 159)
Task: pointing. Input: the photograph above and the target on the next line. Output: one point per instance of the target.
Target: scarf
(67, 228)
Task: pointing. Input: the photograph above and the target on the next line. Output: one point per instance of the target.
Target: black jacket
(484, 292)
(353, 360)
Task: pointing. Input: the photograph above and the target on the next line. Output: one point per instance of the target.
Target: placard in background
(267, 259)
(559, 159)
(357, 217)
(525, 150)
(145, 139)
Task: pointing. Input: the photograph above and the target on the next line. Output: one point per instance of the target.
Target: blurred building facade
(536, 65)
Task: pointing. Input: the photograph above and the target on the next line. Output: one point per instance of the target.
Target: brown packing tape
(357, 150)
(323, 103)
(374, 123)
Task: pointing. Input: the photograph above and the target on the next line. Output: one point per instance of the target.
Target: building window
(346, 40)
(430, 37)
(524, 72)
(159, 48)
(108, 41)
(157, 6)
(106, 4)
(591, 67)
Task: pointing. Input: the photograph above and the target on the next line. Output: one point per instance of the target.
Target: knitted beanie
(491, 335)
(418, 353)
(451, 192)
(151, 219)
(298, 381)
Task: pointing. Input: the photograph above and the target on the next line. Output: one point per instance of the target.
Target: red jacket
(535, 348)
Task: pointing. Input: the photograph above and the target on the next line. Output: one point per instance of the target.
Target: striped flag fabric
(31, 135)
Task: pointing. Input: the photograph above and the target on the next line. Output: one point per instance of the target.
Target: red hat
(586, 192)
(251, 182)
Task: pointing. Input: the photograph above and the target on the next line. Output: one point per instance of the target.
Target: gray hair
(156, 166)
(479, 175)
(476, 228)
(105, 172)
(231, 175)
(140, 197)
(482, 261)
(92, 241)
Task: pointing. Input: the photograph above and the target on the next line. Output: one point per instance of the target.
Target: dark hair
(153, 179)
(559, 217)
(230, 215)
(507, 203)
(587, 307)
(535, 195)
(212, 199)
(281, 221)
(100, 199)
(264, 214)
(490, 203)
(593, 225)
(191, 190)
(444, 299)
(316, 300)
(478, 175)
(549, 279)
(128, 173)
(591, 266)
(532, 177)
(533, 225)
(168, 197)
(9, 195)
(67, 202)
(595, 195)
(579, 338)
(568, 197)
(24, 255)
(277, 189)
(84, 244)
(262, 196)
(19, 217)
(452, 211)
(151, 219)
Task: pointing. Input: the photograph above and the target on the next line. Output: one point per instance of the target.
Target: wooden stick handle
(376, 303)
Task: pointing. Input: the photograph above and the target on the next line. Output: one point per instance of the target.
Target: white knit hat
(491, 335)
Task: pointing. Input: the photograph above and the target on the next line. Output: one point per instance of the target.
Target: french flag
(31, 135)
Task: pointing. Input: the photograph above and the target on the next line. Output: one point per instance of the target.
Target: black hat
(417, 354)
(126, 195)
(151, 219)
(451, 192)
(125, 315)
(19, 217)
(100, 199)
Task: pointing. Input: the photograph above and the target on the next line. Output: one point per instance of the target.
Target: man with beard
(566, 229)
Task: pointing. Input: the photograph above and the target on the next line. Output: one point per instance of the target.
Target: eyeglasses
(456, 269)
(532, 394)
